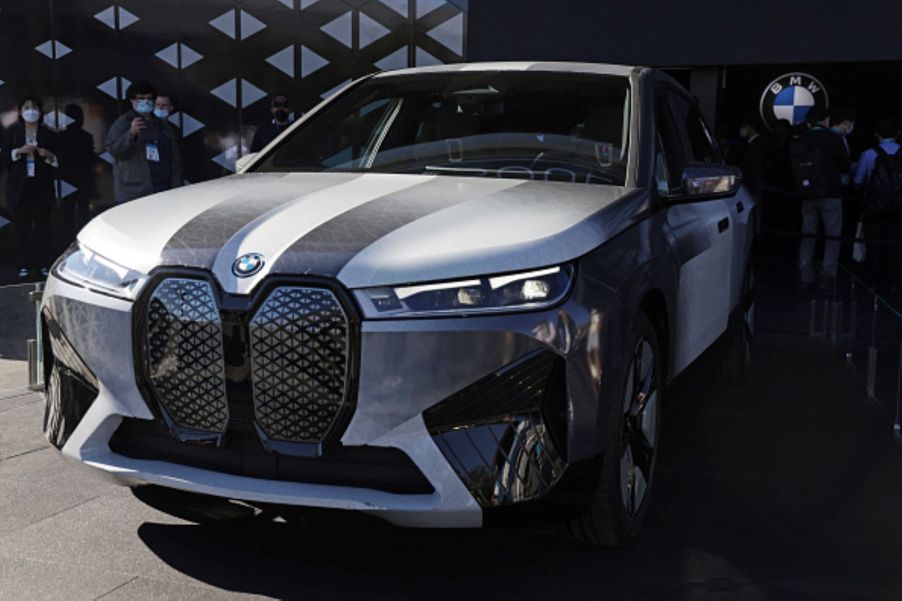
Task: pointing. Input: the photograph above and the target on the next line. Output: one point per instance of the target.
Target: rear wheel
(621, 500)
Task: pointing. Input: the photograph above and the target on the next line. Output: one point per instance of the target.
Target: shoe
(44, 272)
(23, 273)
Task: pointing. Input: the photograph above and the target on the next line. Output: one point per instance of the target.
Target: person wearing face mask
(144, 147)
(281, 119)
(163, 107)
(28, 152)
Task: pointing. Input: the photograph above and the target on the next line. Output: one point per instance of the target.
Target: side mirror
(242, 163)
(702, 181)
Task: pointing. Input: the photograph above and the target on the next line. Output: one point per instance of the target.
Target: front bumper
(406, 368)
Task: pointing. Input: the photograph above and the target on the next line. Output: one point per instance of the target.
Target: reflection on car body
(442, 295)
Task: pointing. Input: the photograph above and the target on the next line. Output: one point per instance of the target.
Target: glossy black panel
(70, 386)
(496, 433)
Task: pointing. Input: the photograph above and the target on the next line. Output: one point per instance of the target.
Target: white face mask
(31, 115)
(143, 106)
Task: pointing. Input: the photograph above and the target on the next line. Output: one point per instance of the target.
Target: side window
(662, 174)
(702, 148)
(670, 156)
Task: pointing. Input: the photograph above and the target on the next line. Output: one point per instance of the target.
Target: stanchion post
(36, 345)
(34, 382)
(871, 378)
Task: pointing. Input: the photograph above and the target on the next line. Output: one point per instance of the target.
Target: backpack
(808, 161)
(885, 185)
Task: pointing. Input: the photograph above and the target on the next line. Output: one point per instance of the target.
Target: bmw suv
(445, 297)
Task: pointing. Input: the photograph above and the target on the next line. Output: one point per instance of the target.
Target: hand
(27, 149)
(138, 124)
(43, 153)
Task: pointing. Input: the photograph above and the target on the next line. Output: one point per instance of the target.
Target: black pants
(76, 213)
(32, 220)
(884, 263)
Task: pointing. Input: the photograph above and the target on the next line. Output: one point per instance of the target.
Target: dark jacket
(77, 160)
(131, 173)
(266, 133)
(754, 163)
(836, 160)
(44, 173)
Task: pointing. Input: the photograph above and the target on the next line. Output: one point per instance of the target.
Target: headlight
(524, 291)
(84, 267)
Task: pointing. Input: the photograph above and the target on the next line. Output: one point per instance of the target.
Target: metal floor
(788, 487)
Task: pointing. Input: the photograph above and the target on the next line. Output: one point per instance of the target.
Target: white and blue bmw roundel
(247, 265)
(790, 97)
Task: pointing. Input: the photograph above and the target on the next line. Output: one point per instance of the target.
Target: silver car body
(342, 226)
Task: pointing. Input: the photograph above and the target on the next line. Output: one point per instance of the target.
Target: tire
(737, 362)
(624, 487)
(192, 507)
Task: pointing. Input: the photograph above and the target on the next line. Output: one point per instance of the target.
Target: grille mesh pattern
(185, 354)
(299, 357)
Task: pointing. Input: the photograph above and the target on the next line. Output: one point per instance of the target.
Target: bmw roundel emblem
(247, 265)
(790, 97)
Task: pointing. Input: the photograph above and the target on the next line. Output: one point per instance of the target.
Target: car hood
(363, 229)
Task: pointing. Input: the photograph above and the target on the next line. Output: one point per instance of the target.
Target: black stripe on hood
(328, 248)
(197, 243)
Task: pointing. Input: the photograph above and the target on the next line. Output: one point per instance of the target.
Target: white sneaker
(23, 273)
(44, 272)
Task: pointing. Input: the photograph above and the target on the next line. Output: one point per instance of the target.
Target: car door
(702, 235)
(739, 207)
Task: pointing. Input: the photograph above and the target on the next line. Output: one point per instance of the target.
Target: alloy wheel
(640, 423)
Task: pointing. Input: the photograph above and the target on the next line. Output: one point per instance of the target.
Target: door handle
(740, 207)
(723, 225)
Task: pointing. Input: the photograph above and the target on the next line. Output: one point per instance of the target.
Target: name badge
(153, 152)
(29, 166)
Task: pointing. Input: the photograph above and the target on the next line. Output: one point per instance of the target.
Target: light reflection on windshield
(537, 126)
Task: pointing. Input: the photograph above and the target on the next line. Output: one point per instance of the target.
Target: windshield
(538, 126)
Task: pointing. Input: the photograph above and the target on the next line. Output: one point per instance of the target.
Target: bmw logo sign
(790, 97)
(247, 265)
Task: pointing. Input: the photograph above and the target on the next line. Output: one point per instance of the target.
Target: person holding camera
(144, 148)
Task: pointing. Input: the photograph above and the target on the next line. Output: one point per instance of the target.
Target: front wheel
(621, 499)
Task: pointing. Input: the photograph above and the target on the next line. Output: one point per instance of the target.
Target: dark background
(724, 52)
(686, 33)
(368, 34)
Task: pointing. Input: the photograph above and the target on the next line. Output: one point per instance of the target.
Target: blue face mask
(145, 107)
(161, 113)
